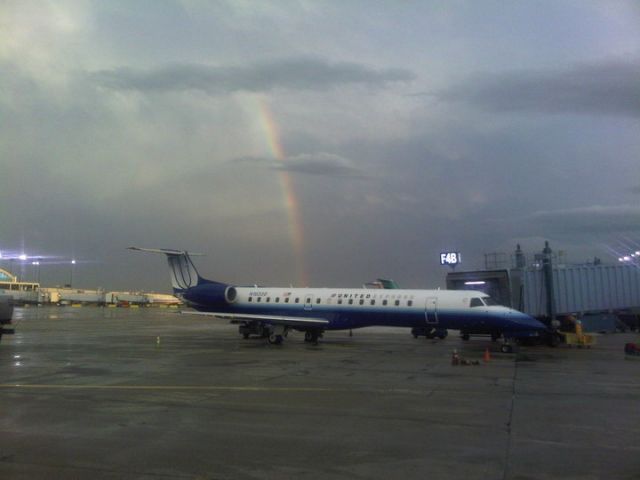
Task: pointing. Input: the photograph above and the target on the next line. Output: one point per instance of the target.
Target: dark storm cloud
(301, 73)
(591, 219)
(610, 87)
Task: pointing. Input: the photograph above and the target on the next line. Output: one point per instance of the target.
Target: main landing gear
(275, 334)
(312, 336)
(429, 333)
(275, 339)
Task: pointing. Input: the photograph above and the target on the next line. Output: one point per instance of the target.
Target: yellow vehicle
(579, 338)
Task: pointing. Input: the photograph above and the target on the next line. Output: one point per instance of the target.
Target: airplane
(272, 312)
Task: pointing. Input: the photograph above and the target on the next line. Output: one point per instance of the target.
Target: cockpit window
(482, 301)
(476, 302)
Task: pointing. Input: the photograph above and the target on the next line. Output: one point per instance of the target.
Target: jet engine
(211, 294)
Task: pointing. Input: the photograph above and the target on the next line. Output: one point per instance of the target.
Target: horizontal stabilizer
(274, 319)
(166, 251)
(181, 269)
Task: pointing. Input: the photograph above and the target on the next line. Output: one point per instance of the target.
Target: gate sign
(450, 258)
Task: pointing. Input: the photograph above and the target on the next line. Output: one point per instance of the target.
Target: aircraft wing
(274, 319)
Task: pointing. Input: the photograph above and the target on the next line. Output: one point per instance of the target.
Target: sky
(314, 143)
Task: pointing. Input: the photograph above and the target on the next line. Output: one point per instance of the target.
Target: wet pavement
(106, 393)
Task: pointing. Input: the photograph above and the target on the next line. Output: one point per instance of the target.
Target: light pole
(73, 262)
(23, 258)
(37, 265)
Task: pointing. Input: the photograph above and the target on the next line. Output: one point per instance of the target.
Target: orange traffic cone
(487, 355)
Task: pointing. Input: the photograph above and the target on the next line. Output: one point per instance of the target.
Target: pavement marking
(163, 387)
(217, 388)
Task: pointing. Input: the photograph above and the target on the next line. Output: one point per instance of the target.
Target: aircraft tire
(275, 339)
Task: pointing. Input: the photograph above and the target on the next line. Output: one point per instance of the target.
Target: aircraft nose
(530, 322)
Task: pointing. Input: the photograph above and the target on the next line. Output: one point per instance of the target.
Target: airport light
(37, 265)
(22, 256)
(73, 262)
(479, 282)
(632, 257)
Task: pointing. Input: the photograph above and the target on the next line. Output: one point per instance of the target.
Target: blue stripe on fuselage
(351, 317)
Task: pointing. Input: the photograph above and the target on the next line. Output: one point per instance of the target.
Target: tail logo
(183, 273)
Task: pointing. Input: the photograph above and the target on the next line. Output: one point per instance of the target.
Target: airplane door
(308, 302)
(431, 310)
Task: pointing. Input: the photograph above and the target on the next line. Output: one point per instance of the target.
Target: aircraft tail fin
(182, 271)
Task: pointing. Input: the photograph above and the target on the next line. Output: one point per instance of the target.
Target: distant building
(20, 292)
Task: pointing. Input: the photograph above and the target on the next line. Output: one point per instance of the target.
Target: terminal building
(32, 293)
(20, 292)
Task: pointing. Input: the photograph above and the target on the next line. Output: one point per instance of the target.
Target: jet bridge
(573, 289)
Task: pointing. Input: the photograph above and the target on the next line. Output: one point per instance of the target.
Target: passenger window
(397, 302)
(351, 301)
(409, 303)
(373, 302)
(259, 299)
(317, 300)
(384, 302)
(339, 301)
(297, 300)
(308, 300)
(250, 298)
(286, 300)
(268, 299)
(277, 299)
(361, 301)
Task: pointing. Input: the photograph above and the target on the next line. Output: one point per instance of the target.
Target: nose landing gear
(510, 345)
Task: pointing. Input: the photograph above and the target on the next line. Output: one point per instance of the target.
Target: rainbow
(292, 206)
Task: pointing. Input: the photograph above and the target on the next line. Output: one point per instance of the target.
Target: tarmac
(114, 393)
